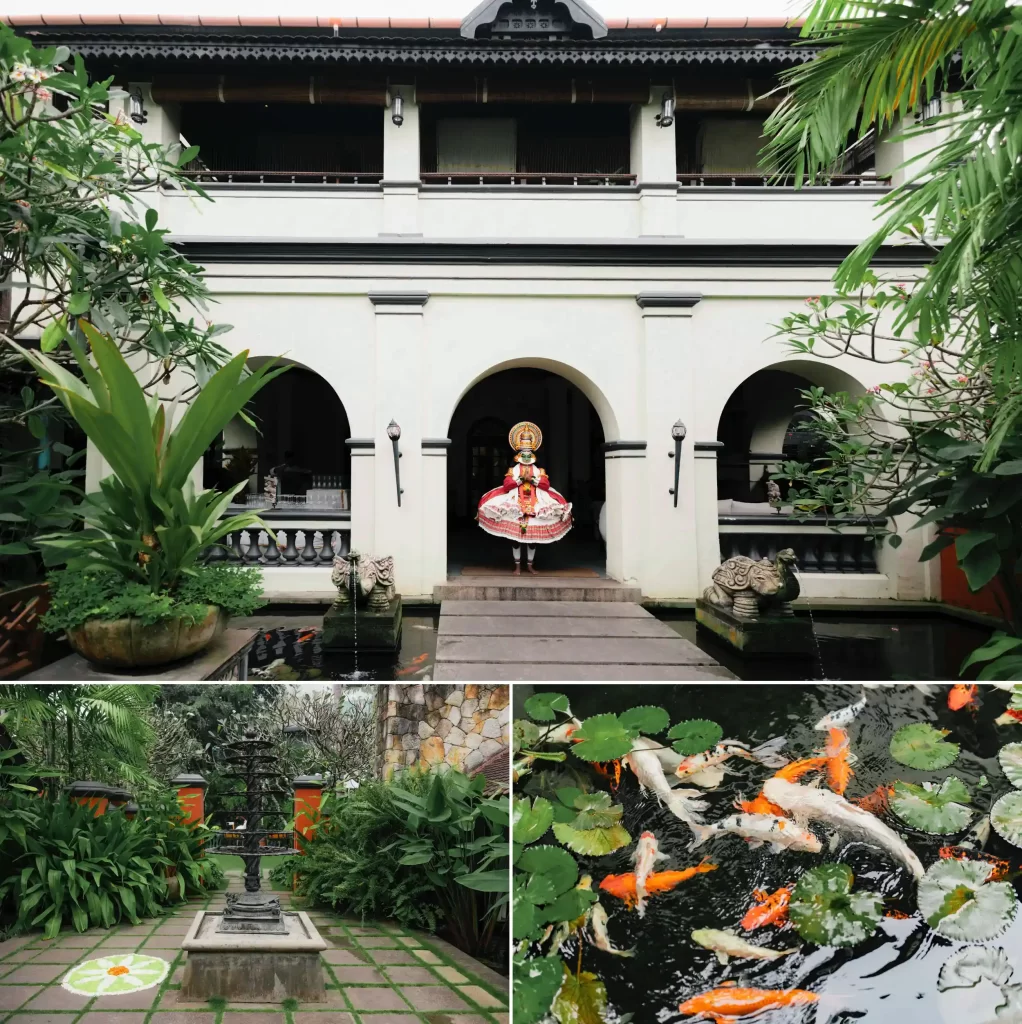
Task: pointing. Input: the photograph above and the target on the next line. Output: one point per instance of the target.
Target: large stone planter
(127, 643)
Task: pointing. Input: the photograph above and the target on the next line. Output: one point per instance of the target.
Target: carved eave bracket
(497, 19)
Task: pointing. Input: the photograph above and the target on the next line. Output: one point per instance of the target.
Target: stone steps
(535, 588)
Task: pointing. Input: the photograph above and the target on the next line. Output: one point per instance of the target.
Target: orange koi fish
(963, 695)
(876, 802)
(770, 908)
(759, 806)
(897, 915)
(794, 771)
(722, 1004)
(611, 771)
(839, 769)
(414, 665)
(623, 886)
(1001, 867)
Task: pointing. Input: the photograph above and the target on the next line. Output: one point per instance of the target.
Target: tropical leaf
(957, 899)
(825, 911)
(920, 745)
(937, 808)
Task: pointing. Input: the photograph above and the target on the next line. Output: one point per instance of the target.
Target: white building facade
(451, 285)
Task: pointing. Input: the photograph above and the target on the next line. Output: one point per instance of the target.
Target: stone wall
(461, 725)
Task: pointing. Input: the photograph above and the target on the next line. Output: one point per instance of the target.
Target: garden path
(563, 640)
(377, 973)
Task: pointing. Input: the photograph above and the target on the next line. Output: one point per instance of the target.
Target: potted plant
(134, 592)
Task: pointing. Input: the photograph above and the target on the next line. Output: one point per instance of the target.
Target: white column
(401, 165)
(362, 496)
(626, 521)
(434, 512)
(655, 165)
(670, 564)
(400, 365)
(707, 533)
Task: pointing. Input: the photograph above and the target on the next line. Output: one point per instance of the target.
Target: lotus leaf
(601, 738)
(530, 822)
(921, 746)
(570, 906)
(647, 719)
(695, 736)
(937, 809)
(552, 871)
(1010, 757)
(581, 1000)
(592, 842)
(957, 900)
(523, 734)
(969, 966)
(596, 811)
(543, 707)
(535, 986)
(1006, 817)
(825, 911)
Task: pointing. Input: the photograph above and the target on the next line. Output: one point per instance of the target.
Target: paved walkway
(376, 974)
(525, 639)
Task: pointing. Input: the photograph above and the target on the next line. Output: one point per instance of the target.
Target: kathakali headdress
(525, 437)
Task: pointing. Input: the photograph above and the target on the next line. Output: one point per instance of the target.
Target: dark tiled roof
(497, 769)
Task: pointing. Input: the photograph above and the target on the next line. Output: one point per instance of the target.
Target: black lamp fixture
(678, 433)
(397, 112)
(394, 433)
(667, 107)
(139, 114)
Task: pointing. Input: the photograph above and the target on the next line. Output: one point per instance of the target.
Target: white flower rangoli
(116, 975)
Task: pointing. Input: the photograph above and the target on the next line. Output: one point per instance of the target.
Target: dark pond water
(887, 979)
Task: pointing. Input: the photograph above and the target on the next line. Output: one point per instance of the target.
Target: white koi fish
(808, 803)
(561, 733)
(841, 717)
(682, 803)
(601, 940)
(728, 944)
(759, 829)
(646, 854)
(765, 753)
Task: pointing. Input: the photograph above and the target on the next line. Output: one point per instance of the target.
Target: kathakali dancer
(525, 508)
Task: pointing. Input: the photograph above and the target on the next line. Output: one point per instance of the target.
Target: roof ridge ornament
(515, 18)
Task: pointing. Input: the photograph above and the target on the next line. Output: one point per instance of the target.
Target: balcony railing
(461, 178)
(244, 177)
(753, 180)
(818, 548)
(309, 538)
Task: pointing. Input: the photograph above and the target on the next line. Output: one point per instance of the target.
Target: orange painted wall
(307, 805)
(954, 587)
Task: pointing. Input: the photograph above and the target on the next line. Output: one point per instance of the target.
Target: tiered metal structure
(252, 762)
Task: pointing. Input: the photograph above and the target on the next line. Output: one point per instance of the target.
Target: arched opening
(572, 455)
(299, 434)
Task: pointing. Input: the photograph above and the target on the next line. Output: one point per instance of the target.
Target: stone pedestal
(370, 630)
(783, 635)
(253, 968)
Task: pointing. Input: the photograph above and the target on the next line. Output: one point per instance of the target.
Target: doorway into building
(480, 455)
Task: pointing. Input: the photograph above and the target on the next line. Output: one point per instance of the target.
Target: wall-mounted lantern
(678, 432)
(394, 433)
(667, 106)
(139, 114)
(397, 112)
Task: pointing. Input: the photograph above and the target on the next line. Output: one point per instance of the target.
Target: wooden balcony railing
(574, 179)
(753, 180)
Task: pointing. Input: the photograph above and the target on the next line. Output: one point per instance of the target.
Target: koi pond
(852, 855)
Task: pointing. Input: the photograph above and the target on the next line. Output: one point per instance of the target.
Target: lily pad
(530, 821)
(1010, 757)
(647, 719)
(969, 966)
(523, 734)
(595, 810)
(581, 1000)
(592, 842)
(1006, 817)
(602, 738)
(921, 746)
(825, 911)
(957, 900)
(935, 808)
(695, 736)
(543, 707)
(535, 984)
(552, 872)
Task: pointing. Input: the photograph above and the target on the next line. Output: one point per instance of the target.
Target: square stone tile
(183, 1017)
(411, 975)
(393, 956)
(12, 996)
(502, 1018)
(11, 945)
(391, 1018)
(409, 941)
(19, 957)
(451, 975)
(427, 956)
(433, 997)
(60, 956)
(43, 1018)
(341, 956)
(266, 1017)
(172, 1000)
(164, 942)
(144, 1000)
(462, 1018)
(483, 998)
(375, 999)
(365, 931)
(377, 942)
(84, 940)
(56, 998)
(359, 976)
(102, 1017)
(35, 974)
(316, 1017)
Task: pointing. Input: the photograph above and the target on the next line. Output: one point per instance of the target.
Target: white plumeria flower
(116, 975)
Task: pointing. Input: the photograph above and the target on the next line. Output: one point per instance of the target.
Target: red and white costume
(525, 509)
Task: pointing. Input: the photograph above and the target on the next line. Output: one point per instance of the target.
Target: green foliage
(146, 523)
(1006, 817)
(1010, 759)
(937, 808)
(958, 900)
(543, 707)
(602, 738)
(824, 909)
(79, 596)
(592, 826)
(920, 745)
(695, 736)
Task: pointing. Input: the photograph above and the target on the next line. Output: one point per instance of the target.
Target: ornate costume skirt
(500, 515)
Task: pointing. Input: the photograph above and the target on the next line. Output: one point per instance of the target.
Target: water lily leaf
(523, 734)
(592, 842)
(581, 1000)
(530, 821)
(1006, 817)
(825, 911)
(535, 983)
(525, 917)
(553, 871)
(935, 808)
(958, 901)
(570, 906)
(921, 746)
(969, 966)
(543, 707)
(595, 810)
(601, 738)
(648, 720)
(695, 736)
(1010, 757)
